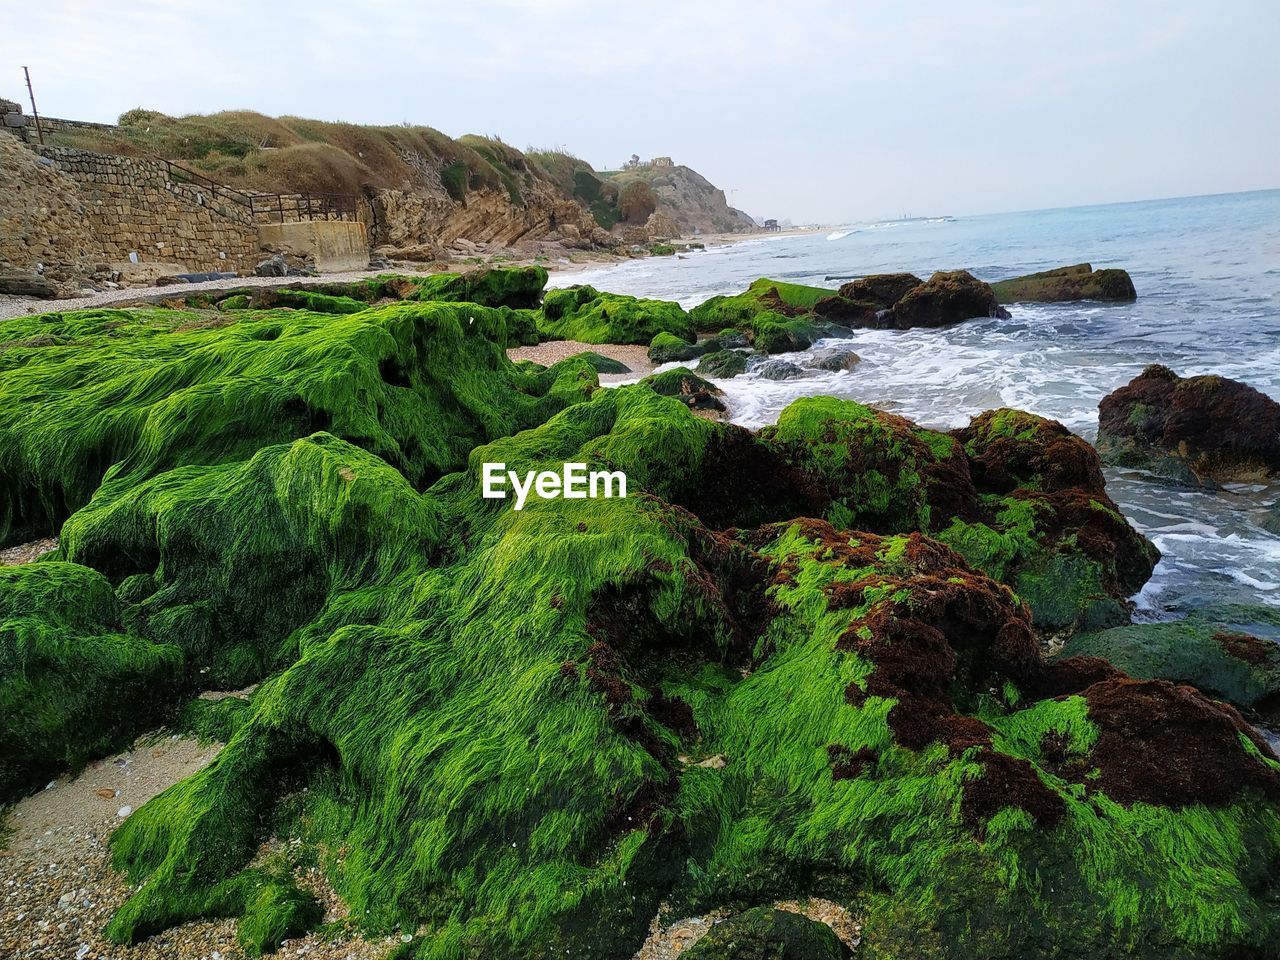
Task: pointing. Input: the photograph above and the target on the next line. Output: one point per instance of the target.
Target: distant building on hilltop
(662, 162)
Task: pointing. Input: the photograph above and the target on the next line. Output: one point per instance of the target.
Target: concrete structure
(333, 245)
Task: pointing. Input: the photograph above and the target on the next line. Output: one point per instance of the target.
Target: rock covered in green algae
(1019, 496)
(1199, 430)
(1237, 667)
(417, 384)
(666, 348)
(1078, 282)
(584, 313)
(768, 934)
(696, 392)
(602, 364)
(73, 684)
(723, 363)
(499, 716)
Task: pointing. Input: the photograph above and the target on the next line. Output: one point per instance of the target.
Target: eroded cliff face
(688, 198)
(414, 218)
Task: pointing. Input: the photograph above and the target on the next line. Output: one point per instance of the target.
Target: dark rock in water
(775, 369)
(882, 289)
(723, 364)
(847, 313)
(948, 297)
(764, 933)
(1271, 522)
(603, 364)
(19, 284)
(1040, 484)
(1202, 429)
(1079, 282)
(1239, 668)
(835, 358)
(732, 339)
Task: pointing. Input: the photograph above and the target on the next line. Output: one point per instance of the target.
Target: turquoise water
(1207, 272)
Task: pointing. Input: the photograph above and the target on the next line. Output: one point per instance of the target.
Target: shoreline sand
(573, 262)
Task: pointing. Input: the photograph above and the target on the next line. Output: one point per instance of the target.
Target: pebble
(59, 890)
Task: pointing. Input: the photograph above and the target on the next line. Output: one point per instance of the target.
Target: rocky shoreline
(845, 665)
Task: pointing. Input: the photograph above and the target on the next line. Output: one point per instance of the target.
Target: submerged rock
(947, 297)
(768, 934)
(776, 369)
(1237, 667)
(1202, 430)
(723, 364)
(834, 359)
(1079, 282)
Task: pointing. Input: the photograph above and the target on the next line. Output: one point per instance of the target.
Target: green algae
(1239, 668)
(73, 684)
(585, 314)
(139, 392)
(878, 468)
(519, 733)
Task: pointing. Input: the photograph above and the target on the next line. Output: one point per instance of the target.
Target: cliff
(422, 191)
(688, 198)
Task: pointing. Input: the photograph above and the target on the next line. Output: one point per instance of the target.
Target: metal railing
(271, 207)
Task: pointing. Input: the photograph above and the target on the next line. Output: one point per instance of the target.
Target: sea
(1207, 273)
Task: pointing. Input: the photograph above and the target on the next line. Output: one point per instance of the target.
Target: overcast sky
(809, 110)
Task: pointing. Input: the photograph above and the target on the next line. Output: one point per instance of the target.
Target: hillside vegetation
(254, 152)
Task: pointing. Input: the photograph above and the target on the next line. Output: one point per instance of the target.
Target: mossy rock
(517, 287)
(723, 364)
(947, 297)
(1078, 282)
(501, 718)
(602, 364)
(74, 685)
(768, 934)
(681, 382)
(667, 348)
(762, 296)
(1242, 669)
(416, 384)
(585, 314)
(1201, 430)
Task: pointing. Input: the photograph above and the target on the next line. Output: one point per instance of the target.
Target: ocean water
(1207, 273)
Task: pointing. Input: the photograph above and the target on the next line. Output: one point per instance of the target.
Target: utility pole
(34, 112)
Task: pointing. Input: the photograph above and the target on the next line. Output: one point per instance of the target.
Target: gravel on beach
(57, 888)
(552, 351)
(26, 552)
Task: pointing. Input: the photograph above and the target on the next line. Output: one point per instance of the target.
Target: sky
(813, 111)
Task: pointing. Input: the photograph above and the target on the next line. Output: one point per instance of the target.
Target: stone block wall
(133, 205)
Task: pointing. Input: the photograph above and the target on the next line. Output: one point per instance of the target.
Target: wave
(839, 234)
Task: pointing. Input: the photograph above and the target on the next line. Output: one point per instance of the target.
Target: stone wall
(44, 226)
(133, 205)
